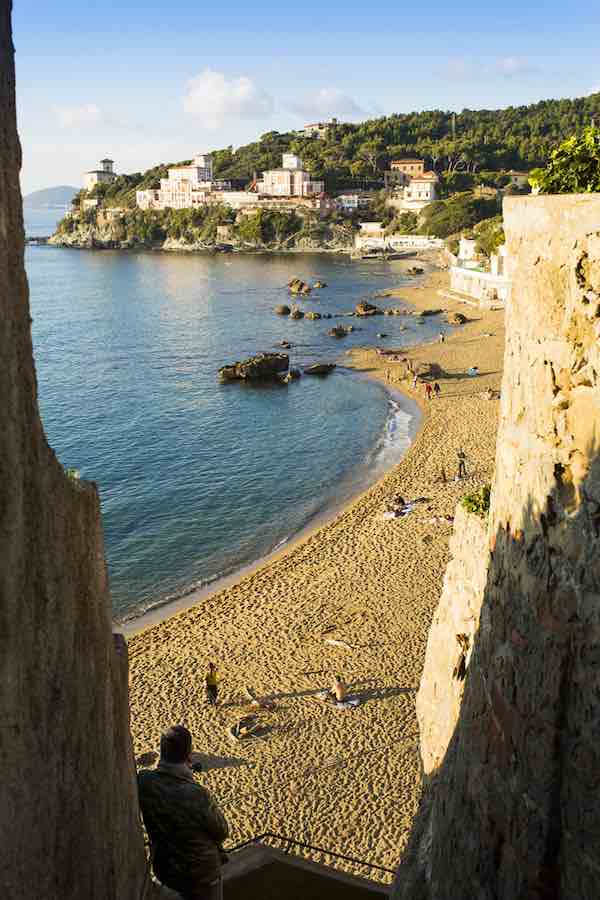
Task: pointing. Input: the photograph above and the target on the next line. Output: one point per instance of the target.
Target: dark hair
(175, 744)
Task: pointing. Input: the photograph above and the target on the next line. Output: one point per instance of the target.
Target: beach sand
(347, 780)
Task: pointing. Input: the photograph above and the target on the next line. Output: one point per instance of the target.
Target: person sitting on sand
(339, 691)
(184, 823)
(212, 684)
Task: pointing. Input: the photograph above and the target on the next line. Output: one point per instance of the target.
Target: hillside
(61, 195)
(472, 141)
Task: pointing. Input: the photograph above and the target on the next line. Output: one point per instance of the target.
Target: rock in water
(338, 331)
(320, 284)
(319, 369)
(296, 313)
(312, 315)
(456, 318)
(282, 310)
(262, 367)
(367, 309)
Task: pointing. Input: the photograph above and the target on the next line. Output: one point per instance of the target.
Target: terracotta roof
(396, 161)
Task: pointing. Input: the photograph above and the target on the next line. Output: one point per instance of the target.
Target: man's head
(176, 745)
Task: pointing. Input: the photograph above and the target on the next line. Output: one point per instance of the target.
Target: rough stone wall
(512, 810)
(69, 825)
(441, 690)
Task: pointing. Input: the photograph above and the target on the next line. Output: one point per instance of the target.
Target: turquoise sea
(198, 478)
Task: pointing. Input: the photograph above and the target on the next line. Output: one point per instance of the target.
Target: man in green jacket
(184, 823)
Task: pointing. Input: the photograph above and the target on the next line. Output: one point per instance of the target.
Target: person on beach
(212, 684)
(428, 391)
(415, 381)
(462, 463)
(442, 337)
(339, 691)
(437, 389)
(184, 823)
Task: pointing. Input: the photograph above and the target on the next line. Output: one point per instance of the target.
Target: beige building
(319, 129)
(183, 188)
(291, 180)
(103, 175)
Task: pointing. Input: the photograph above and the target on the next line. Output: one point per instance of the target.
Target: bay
(198, 478)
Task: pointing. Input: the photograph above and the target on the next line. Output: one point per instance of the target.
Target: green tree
(574, 167)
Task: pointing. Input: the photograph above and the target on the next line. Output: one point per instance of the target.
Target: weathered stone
(312, 315)
(319, 369)
(282, 310)
(507, 810)
(69, 820)
(456, 318)
(263, 366)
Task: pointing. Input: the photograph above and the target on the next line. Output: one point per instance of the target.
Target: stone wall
(442, 684)
(512, 809)
(69, 825)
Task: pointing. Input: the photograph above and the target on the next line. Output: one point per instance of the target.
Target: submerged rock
(296, 313)
(338, 331)
(282, 310)
(320, 284)
(263, 366)
(312, 315)
(319, 369)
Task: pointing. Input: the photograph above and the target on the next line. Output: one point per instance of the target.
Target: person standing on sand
(415, 381)
(462, 463)
(428, 391)
(184, 823)
(339, 690)
(442, 337)
(212, 684)
(437, 390)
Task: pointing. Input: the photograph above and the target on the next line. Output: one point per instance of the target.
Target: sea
(198, 479)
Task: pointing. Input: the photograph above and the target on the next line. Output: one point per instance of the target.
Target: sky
(147, 82)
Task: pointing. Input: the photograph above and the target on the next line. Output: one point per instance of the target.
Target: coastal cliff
(509, 806)
(69, 825)
(201, 230)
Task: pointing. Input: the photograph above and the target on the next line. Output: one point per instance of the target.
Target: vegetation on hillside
(573, 167)
(470, 148)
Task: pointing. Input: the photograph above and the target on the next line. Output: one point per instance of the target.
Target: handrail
(291, 841)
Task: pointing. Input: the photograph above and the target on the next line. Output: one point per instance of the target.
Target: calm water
(198, 478)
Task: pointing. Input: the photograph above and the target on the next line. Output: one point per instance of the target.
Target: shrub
(478, 502)
(573, 168)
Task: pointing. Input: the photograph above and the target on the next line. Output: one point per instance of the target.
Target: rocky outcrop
(367, 309)
(454, 318)
(262, 367)
(69, 824)
(510, 804)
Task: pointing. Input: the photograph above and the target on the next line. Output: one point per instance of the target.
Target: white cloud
(213, 98)
(76, 116)
(328, 101)
(507, 67)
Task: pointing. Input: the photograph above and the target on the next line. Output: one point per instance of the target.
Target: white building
(372, 236)
(487, 289)
(351, 202)
(420, 190)
(518, 179)
(292, 180)
(104, 175)
(319, 129)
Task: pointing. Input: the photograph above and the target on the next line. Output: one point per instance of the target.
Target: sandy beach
(354, 597)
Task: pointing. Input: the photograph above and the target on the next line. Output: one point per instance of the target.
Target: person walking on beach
(212, 684)
(428, 391)
(339, 690)
(184, 823)
(442, 337)
(415, 381)
(462, 463)
(437, 390)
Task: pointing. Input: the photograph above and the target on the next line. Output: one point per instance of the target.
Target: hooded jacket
(184, 824)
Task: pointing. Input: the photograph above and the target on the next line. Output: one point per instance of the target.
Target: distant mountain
(50, 197)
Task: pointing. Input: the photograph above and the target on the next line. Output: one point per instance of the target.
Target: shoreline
(135, 624)
(354, 597)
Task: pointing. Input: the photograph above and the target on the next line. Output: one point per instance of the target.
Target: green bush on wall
(478, 502)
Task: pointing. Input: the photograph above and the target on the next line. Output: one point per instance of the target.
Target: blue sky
(152, 82)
